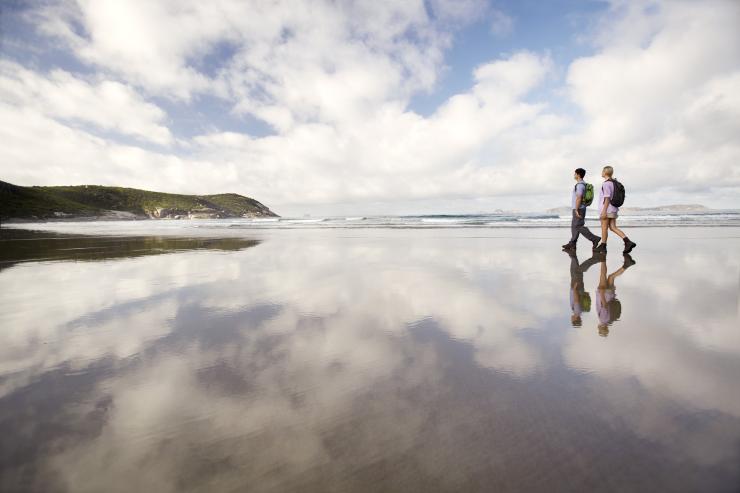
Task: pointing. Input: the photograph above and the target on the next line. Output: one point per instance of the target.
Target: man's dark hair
(581, 172)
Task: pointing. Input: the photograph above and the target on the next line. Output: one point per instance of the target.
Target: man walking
(608, 212)
(578, 220)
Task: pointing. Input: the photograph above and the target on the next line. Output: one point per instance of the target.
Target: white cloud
(148, 43)
(436, 156)
(105, 104)
(661, 95)
(657, 99)
(39, 150)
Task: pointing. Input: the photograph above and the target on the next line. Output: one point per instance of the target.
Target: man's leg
(583, 229)
(571, 245)
(595, 258)
(576, 274)
(574, 226)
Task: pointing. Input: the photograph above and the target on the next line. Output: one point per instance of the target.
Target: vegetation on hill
(95, 200)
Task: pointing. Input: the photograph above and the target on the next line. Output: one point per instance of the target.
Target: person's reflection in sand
(608, 307)
(580, 300)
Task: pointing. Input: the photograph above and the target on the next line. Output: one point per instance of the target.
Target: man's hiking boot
(569, 247)
(601, 248)
(628, 261)
(628, 245)
(596, 242)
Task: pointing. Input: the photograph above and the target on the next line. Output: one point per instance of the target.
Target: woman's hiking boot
(628, 261)
(628, 245)
(601, 248)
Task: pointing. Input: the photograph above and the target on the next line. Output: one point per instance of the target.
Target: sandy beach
(367, 360)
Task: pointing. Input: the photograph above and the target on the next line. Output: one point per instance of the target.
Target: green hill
(17, 202)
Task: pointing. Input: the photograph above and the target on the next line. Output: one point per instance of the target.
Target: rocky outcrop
(167, 213)
(200, 213)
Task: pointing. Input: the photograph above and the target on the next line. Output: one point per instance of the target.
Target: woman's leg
(613, 227)
(604, 230)
(603, 279)
(614, 275)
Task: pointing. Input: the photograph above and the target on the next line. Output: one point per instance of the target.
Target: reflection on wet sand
(393, 362)
(580, 300)
(608, 307)
(18, 245)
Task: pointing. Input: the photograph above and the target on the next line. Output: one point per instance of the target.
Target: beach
(218, 356)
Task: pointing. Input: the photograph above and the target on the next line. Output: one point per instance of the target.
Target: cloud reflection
(314, 359)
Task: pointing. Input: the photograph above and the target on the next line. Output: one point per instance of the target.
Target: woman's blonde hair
(609, 171)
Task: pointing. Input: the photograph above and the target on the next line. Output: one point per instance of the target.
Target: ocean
(714, 218)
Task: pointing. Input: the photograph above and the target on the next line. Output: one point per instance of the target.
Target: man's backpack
(588, 194)
(615, 309)
(617, 198)
(585, 301)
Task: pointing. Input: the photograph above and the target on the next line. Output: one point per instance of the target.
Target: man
(578, 220)
(580, 301)
(608, 213)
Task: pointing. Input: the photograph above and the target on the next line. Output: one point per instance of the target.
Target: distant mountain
(99, 202)
(643, 210)
(668, 208)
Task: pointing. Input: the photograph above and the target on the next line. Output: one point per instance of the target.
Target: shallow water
(368, 360)
(502, 220)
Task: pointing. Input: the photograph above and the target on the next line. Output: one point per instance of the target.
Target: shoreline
(114, 218)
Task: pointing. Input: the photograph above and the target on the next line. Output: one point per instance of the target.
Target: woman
(608, 213)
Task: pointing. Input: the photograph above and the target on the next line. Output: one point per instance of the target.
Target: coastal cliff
(101, 202)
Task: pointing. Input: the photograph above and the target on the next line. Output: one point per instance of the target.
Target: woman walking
(608, 213)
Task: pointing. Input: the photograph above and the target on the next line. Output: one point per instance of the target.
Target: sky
(332, 107)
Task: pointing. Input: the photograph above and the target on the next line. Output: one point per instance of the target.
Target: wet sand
(372, 360)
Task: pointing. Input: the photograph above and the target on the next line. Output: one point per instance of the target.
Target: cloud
(658, 95)
(104, 104)
(655, 98)
(438, 156)
(160, 45)
(147, 43)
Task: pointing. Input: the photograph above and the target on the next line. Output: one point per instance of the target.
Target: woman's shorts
(611, 215)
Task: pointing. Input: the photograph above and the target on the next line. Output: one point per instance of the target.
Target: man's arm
(579, 199)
